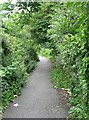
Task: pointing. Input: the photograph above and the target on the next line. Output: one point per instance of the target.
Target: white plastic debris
(15, 96)
(13, 100)
(16, 105)
(55, 87)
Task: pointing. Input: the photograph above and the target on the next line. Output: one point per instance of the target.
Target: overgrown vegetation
(59, 76)
(56, 30)
(19, 55)
(45, 52)
(69, 32)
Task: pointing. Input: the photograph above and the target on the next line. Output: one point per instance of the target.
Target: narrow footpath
(39, 99)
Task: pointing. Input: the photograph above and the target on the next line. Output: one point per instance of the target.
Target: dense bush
(59, 76)
(46, 52)
(30, 60)
(40, 23)
(19, 56)
(69, 33)
(15, 69)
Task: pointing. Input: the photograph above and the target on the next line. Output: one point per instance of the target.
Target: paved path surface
(39, 99)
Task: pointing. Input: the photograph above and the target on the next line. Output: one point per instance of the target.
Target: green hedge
(15, 68)
(19, 55)
(70, 35)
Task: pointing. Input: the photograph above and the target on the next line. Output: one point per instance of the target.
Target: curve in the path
(39, 99)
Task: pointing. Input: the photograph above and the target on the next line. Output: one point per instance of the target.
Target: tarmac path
(38, 99)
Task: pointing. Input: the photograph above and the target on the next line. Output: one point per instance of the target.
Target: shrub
(69, 32)
(59, 77)
(45, 52)
(14, 53)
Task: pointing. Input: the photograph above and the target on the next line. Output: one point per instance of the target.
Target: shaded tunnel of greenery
(59, 31)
